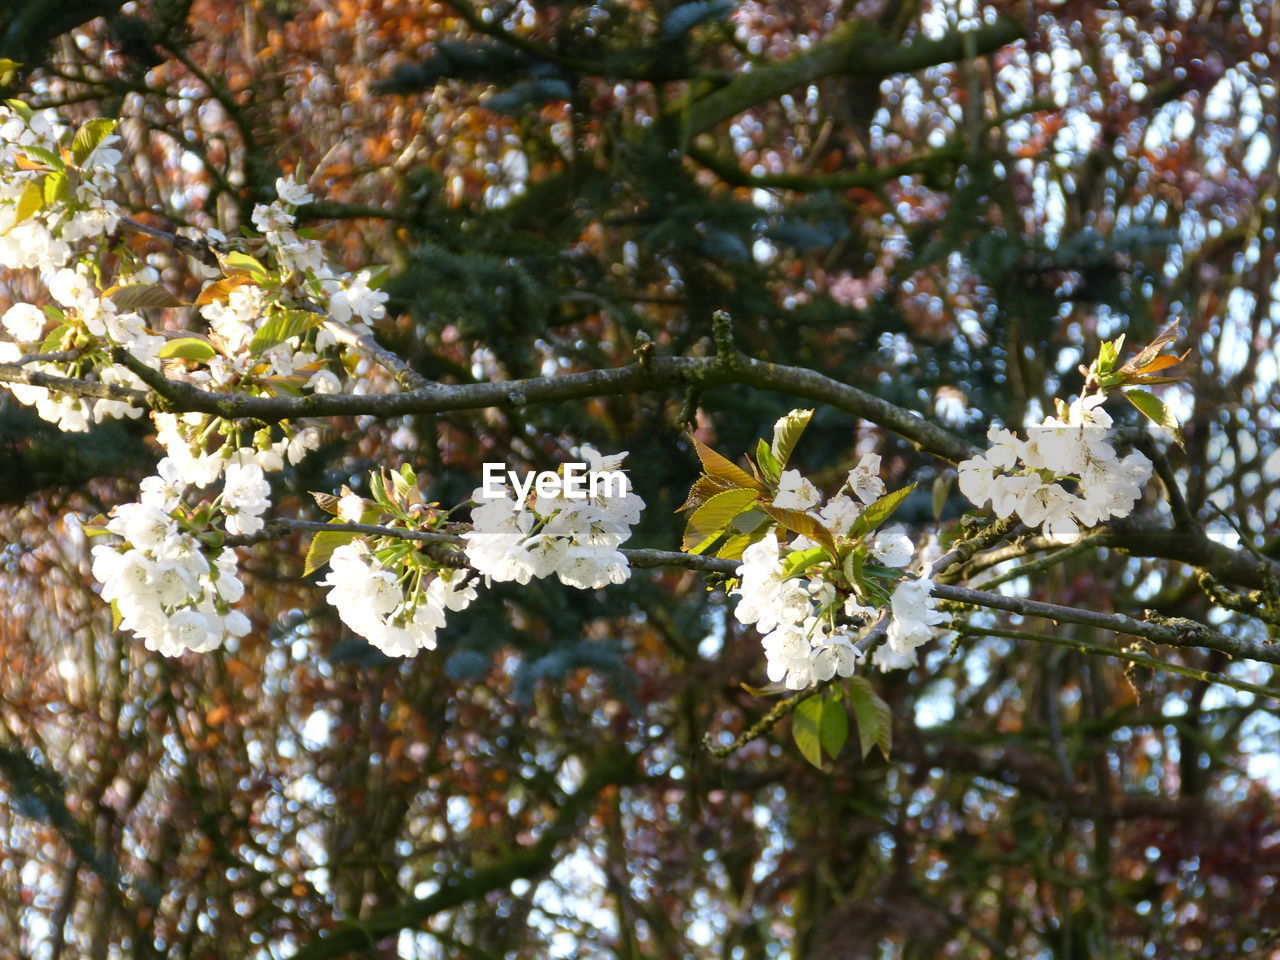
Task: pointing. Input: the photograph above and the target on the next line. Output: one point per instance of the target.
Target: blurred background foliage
(945, 203)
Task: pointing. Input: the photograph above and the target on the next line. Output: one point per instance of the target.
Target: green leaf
(735, 546)
(768, 465)
(768, 690)
(875, 720)
(187, 348)
(283, 326)
(880, 511)
(378, 490)
(1109, 353)
(749, 522)
(56, 188)
(19, 107)
(803, 524)
(833, 729)
(717, 466)
(30, 202)
(703, 489)
(322, 546)
(53, 339)
(238, 262)
(221, 289)
(116, 616)
(378, 276)
(786, 434)
(941, 492)
(800, 560)
(327, 502)
(47, 157)
(712, 517)
(403, 485)
(139, 296)
(1151, 407)
(806, 729)
(89, 136)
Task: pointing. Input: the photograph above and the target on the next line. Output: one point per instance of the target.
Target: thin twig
(1123, 653)
(204, 251)
(1171, 631)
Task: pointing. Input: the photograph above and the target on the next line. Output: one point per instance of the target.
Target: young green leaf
(19, 107)
(187, 348)
(237, 262)
(941, 492)
(89, 136)
(786, 434)
(803, 524)
(322, 546)
(880, 511)
(378, 490)
(54, 338)
(140, 296)
(703, 489)
(800, 560)
(1154, 410)
(402, 485)
(771, 689)
(283, 326)
(717, 466)
(56, 188)
(769, 467)
(875, 720)
(735, 546)
(833, 727)
(713, 516)
(46, 157)
(30, 202)
(806, 729)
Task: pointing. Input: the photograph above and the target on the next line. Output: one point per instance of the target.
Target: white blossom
(25, 322)
(893, 547)
(796, 492)
(576, 540)
(864, 479)
(357, 299)
(245, 496)
(290, 191)
(1022, 478)
(370, 601)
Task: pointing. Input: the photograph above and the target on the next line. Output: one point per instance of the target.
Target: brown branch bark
(615, 767)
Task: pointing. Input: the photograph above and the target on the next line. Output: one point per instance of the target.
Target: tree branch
(855, 49)
(655, 373)
(614, 767)
(1172, 631)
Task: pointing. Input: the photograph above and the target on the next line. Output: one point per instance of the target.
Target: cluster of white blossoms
(347, 297)
(168, 586)
(371, 601)
(89, 324)
(33, 232)
(52, 200)
(811, 628)
(1022, 476)
(802, 642)
(281, 320)
(272, 330)
(573, 538)
(270, 325)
